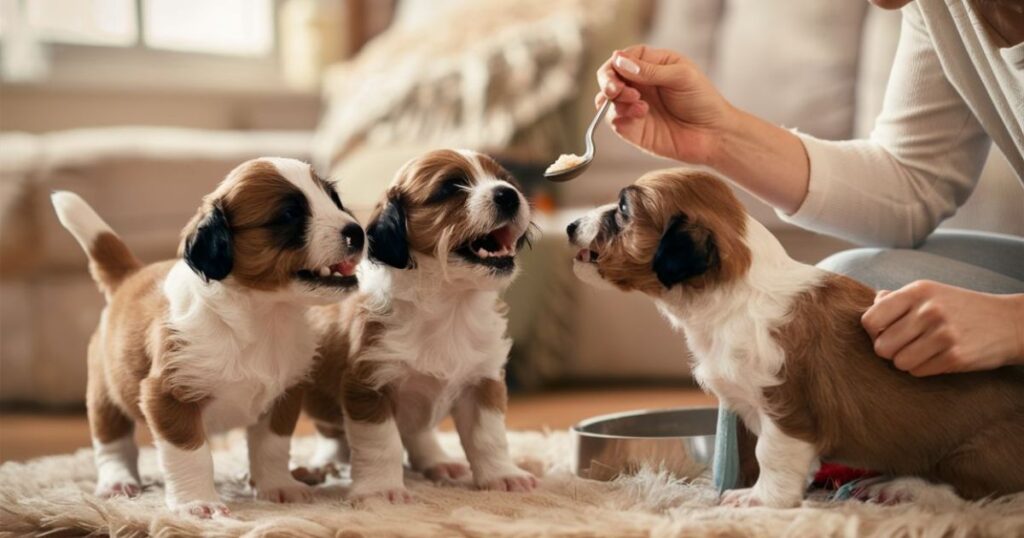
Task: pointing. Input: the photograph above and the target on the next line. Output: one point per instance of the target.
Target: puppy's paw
(908, 489)
(314, 475)
(446, 471)
(203, 509)
(291, 491)
(118, 488)
(519, 481)
(748, 497)
(398, 495)
(740, 498)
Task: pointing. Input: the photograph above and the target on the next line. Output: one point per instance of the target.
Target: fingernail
(611, 87)
(626, 64)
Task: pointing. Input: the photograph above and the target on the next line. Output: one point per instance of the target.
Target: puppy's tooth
(335, 273)
(482, 253)
(325, 271)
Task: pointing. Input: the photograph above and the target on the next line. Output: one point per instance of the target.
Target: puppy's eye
(287, 215)
(335, 198)
(611, 222)
(449, 187)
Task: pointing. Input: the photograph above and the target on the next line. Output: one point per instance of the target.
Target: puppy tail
(110, 261)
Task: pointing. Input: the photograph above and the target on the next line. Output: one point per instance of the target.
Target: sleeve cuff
(818, 185)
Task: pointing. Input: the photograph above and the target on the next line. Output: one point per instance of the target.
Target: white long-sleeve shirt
(952, 92)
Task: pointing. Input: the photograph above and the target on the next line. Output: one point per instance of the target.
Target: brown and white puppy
(781, 343)
(425, 336)
(217, 338)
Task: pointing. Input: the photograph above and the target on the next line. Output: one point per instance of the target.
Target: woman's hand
(662, 104)
(927, 328)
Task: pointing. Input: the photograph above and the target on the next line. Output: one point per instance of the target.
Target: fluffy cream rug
(53, 495)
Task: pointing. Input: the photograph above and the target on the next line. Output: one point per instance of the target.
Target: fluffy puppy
(781, 343)
(425, 336)
(217, 338)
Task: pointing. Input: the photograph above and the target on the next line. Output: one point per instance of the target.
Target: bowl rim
(577, 429)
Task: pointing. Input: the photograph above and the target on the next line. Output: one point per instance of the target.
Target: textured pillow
(688, 27)
(792, 62)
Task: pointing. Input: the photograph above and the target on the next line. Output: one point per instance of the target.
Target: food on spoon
(565, 162)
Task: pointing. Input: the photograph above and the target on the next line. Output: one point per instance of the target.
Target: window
(95, 22)
(227, 27)
(242, 27)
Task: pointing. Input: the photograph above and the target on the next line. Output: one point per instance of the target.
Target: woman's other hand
(927, 328)
(663, 104)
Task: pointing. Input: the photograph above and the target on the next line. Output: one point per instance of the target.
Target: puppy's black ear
(685, 251)
(387, 235)
(208, 248)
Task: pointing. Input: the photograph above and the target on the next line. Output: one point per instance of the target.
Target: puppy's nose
(354, 236)
(506, 199)
(570, 230)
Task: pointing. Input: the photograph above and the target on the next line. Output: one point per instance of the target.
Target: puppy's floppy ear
(387, 235)
(685, 251)
(207, 248)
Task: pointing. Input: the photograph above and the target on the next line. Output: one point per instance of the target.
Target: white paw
(748, 497)
(521, 481)
(740, 498)
(203, 509)
(118, 488)
(446, 471)
(902, 490)
(397, 495)
(291, 491)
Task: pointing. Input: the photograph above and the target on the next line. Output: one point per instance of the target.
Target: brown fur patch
(107, 422)
(110, 261)
(859, 409)
(122, 355)
(343, 332)
(712, 210)
(179, 422)
(491, 394)
(284, 413)
(361, 400)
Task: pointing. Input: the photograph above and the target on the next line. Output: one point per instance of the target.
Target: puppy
(425, 336)
(217, 338)
(781, 343)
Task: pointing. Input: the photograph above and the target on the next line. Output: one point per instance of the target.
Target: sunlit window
(234, 27)
(221, 26)
(92, 22)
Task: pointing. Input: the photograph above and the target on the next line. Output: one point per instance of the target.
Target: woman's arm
(921, 163)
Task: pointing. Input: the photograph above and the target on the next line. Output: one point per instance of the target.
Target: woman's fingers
(626, 97)
(632, 69)
(943, 363)
(888, 308)
(608, 81)
(914, 355)
(899, 334)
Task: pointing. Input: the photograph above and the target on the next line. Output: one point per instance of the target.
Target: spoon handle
(589, 138)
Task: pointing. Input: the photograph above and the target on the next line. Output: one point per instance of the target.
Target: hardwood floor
(24, 435)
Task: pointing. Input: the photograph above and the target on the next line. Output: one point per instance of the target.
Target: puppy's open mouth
(496, 248)
(586, 255)
(338, 275)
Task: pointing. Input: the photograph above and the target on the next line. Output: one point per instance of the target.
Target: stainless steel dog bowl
(681, 441)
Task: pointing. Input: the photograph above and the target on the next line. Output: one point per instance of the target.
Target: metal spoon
(571, 173)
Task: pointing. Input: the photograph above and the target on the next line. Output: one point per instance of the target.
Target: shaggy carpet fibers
(53, 495)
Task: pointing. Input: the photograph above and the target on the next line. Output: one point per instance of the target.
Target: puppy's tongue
(504, 237)
(347, 268)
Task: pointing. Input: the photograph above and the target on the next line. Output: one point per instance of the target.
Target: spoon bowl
(573, 172)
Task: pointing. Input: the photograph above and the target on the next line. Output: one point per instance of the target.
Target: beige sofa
(814, 65)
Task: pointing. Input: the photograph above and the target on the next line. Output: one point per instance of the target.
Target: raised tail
(110, 261)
